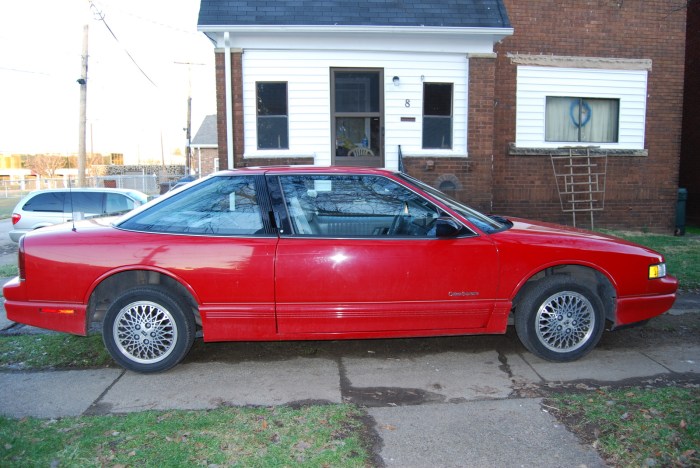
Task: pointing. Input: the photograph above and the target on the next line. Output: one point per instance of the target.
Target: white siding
(308, 76)
(536, 83)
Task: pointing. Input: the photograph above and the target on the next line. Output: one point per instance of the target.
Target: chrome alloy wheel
(565, 321)
(145, 332)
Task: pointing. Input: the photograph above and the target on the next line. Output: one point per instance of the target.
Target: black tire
(559, 320)
(147, 329)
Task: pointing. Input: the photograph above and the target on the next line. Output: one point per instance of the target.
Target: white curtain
(570, 119)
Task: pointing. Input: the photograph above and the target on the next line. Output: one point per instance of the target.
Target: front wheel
(147, 330)
(559, 319)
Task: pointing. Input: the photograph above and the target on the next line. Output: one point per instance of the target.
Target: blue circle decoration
(574, 115)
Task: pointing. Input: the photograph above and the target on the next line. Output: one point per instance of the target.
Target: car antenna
(70, 195)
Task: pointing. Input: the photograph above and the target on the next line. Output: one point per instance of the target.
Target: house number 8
(408, 103)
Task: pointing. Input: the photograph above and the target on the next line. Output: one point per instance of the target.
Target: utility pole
(188, 130)
(82, 81)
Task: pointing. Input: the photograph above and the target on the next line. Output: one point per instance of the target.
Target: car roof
(85, 189)
(308, 169)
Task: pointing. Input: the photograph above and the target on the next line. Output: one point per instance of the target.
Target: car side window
(90, 203)
(220, 206)
(116, 203)
(356, 206)
(50, 201)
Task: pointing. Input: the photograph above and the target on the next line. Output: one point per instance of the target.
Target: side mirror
(447, 227)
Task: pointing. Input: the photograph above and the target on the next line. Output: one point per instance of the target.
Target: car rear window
(220, 206)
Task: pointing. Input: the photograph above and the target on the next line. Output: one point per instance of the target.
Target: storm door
(357, 114)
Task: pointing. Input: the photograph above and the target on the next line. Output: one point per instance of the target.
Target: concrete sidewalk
(467, 407)
(471, 407)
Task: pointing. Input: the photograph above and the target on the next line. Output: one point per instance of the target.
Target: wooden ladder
(580, 178)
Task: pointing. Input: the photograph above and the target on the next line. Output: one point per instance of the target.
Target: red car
(310, 253)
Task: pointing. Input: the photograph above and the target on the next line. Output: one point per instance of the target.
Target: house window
(570, 106)
(577, 119)
(273, 128)
(437, 115)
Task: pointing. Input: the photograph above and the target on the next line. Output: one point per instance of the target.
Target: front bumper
(632, 309)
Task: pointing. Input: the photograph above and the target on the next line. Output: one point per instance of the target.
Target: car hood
(542, 233)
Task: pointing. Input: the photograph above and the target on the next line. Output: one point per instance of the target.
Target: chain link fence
(150, 184)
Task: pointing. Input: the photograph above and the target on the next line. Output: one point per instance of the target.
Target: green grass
(8, 271)
(51, 351)
(692, 230)
(314, 436)
(7, 205)
(636, 427)
(682, 254)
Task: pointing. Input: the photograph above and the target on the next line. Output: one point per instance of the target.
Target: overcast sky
(40, 52)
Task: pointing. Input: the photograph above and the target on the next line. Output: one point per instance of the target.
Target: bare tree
(45, 165)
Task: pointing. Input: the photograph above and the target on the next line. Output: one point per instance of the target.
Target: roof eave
(322, 29)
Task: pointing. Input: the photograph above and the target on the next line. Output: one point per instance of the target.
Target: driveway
(8, 249)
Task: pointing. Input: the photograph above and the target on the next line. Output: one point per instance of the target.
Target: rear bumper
(16, 235)
(58, 316)
(634, 309)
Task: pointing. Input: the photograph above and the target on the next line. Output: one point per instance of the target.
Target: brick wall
(690, 148)
(205, 158)
(641, 191)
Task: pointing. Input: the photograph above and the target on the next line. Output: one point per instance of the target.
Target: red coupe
(310, 253)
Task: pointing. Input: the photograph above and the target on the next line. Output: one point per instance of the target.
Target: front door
(357, 108)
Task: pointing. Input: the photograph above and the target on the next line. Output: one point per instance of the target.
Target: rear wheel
(146, 329)
(559, 319)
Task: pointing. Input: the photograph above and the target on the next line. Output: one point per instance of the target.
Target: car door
(359, 254)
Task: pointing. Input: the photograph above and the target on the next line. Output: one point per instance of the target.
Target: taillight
(15, 218)
(20, 259)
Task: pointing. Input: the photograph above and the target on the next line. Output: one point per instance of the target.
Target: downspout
(229, 100)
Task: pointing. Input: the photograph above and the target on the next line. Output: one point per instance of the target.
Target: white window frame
(536, 83)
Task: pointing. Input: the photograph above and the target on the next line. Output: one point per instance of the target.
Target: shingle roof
(430, 13)
(206, 135)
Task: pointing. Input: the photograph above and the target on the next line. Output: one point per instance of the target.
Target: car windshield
(485, 223)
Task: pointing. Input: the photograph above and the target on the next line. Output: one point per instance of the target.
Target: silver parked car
(43, 208)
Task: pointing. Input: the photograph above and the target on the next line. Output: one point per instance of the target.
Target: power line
(101, 17)
(17, 70)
